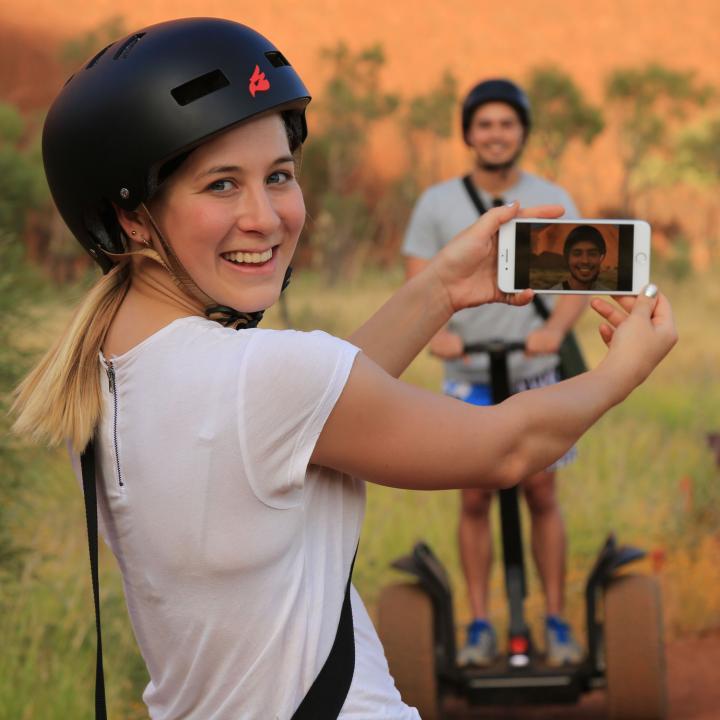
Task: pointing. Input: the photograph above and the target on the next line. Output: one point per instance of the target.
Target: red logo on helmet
(258, 82)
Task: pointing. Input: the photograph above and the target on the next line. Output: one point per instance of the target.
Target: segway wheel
(634, 649)
(405, 627)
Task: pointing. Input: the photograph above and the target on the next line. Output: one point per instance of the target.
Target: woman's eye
(279, 176)
(220, 186)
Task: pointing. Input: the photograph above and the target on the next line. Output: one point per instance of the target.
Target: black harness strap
(87, 463)
(327, 694)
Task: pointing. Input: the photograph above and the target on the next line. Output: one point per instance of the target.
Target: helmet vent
(199, 87)
(125, 49)
(97, 57)
(277, 59)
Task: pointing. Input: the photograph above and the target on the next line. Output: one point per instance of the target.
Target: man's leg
(548, 538)
(549, 552)
(475, 541)
(476, 547)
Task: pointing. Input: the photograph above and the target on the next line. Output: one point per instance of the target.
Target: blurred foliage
(22, 181)
(342, 220)
(562, 115)
(646, 103)
(77, 50)
(698, 152)
(427, 120)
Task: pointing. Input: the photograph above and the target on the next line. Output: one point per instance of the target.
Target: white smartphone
(574, 257)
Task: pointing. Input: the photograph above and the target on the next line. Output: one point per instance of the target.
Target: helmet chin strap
(162, 253)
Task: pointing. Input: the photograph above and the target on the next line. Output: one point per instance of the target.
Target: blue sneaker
(561, 647)
(481, 645)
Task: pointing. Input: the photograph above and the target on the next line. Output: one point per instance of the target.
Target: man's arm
(547, 339)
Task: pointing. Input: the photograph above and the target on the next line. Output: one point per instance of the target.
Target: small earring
(132, 232)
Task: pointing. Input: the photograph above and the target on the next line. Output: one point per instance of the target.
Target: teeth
(250, 258)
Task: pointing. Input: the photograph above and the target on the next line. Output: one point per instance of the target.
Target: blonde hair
(60, 399)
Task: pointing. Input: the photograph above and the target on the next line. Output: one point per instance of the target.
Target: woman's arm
(393, 434)
(463, 274)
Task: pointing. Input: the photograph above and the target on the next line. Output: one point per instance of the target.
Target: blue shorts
(477, 394)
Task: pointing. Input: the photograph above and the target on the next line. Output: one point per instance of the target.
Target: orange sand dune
(474, 39)
(421, 39)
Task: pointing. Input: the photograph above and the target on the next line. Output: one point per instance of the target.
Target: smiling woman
(227, 464)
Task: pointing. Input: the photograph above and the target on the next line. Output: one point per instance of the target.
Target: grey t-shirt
(442, 211)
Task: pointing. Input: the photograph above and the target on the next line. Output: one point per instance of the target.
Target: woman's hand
(639, 332)
(467, 267)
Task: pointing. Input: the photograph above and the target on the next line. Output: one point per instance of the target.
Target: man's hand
(543, 341)
(446, 345)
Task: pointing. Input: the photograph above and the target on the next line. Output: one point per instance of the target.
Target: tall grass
(643, 471)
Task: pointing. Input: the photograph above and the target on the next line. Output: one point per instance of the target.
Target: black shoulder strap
(542, 309)
(87, 464)
(473, 193)
(327, 694)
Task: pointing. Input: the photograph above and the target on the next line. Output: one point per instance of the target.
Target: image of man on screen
(584, 252)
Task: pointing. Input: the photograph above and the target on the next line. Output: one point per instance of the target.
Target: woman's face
(233, 213)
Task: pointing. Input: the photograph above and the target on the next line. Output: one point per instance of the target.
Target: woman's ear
(134, 225)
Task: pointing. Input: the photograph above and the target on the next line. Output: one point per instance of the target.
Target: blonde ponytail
(61, 397)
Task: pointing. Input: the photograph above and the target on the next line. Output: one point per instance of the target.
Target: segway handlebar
(494, 346)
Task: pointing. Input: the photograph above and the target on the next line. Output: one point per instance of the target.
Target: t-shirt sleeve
(289, 383)
(421, 237)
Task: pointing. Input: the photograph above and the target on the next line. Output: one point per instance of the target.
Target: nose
(257, 213)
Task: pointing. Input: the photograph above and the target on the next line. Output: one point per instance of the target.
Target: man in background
(495, 124)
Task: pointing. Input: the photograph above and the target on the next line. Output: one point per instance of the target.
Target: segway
(623, 617)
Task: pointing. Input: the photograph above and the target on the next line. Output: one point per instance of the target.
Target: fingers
(612, 313)
(606, 333)
(517, 299)
(646, 301)
(543, 211)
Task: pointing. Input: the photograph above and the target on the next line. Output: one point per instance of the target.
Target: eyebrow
(237, 169)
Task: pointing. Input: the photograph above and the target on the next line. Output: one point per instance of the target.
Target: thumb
(497, 216)
(646, 301)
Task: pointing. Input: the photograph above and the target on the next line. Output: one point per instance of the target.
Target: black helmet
(584, 233)
(498, 90)
(147, 99)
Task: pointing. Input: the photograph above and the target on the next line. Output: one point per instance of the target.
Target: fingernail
(510, 204)
(650, 291)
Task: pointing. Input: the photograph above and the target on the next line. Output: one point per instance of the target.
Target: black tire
(634, 649)
(405, 627)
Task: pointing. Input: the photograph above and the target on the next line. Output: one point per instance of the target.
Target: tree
(696, 160)
(428, 120)
(647, 102)
(352, 102)
(561, 116)
(22, 183)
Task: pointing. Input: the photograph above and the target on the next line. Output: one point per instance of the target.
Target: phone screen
(574, 256)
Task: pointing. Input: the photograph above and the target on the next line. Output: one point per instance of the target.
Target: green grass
(643, 471)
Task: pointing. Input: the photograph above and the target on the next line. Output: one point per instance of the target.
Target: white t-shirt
(234, 553)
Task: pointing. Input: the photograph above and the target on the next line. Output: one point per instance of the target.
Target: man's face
(496, 135)
(584, 261)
